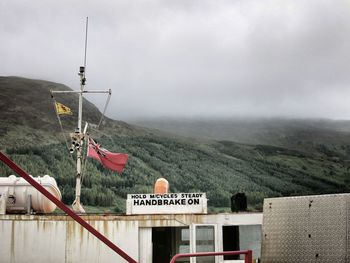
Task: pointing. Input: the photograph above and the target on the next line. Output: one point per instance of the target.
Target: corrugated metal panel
(306, 229)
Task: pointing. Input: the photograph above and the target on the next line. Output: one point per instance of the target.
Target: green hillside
(220, 168)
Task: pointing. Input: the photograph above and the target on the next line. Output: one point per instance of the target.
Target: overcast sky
(207, 58)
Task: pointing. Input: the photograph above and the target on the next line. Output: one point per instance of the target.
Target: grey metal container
(306, 229)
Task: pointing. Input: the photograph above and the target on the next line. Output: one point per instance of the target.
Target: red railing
(248, 255)
(65, 208)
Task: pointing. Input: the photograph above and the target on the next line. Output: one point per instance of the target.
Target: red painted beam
(248, 255)
(65, 208)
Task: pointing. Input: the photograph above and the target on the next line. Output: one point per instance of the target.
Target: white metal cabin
(146, 238)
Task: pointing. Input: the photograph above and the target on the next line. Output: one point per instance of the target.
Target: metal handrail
(248, 255)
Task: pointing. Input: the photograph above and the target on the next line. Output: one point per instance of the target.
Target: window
(205, 242)
(183, 240)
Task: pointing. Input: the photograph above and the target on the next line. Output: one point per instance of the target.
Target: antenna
(86, 39)
(82, 70)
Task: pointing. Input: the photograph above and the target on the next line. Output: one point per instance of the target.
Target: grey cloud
(189, 58)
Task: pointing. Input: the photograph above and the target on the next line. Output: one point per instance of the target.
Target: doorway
(161, 239)
(230, 238)
(169, 241)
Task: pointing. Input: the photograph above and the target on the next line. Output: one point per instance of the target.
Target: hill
(28, 116)
(31, 136)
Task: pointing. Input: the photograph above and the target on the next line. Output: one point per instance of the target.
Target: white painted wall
(32, 241)
(51, 239)
(145, 244)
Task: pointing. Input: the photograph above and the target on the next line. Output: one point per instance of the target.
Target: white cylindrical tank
(17, 191)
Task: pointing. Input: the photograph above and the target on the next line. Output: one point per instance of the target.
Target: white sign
(174, 203)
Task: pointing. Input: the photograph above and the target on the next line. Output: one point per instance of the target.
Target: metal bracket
(29, 205)
(3, 202)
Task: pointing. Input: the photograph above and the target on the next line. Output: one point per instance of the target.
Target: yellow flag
(61, 109)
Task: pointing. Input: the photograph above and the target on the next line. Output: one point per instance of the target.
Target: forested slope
(220, 169)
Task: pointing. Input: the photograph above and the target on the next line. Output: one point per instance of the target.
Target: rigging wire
(101, 132)
(61, 126)
(84, 161)
(97, 129)
(105, 108)
(59, 121)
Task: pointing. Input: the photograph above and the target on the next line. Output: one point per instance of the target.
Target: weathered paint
(57, 238)
(145, 244)
(82, 247)
(30, 241)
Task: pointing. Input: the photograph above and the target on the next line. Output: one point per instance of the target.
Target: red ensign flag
(114, 161)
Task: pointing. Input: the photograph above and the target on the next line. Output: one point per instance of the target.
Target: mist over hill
(271, 131)
(262, 158)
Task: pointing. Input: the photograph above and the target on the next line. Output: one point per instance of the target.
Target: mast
(79, 135)
(79, 138)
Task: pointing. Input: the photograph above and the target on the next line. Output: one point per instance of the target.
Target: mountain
(297, 163)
